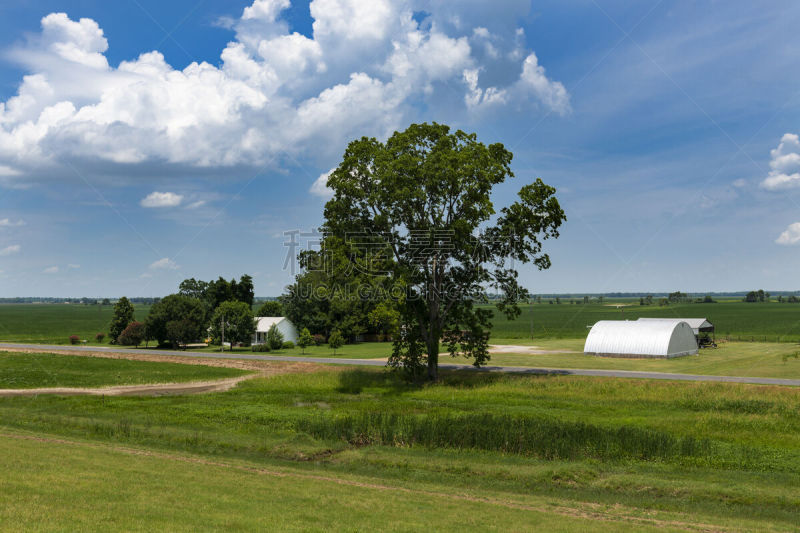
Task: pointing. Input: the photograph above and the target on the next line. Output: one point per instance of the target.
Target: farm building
(640, 338)
(698, 325)
(284, 325)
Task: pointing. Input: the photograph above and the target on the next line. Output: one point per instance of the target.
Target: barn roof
(642, 338)
(697, 324)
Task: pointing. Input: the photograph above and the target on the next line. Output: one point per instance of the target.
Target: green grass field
(568, 453)
(26, 371)
(746, 321)
(54, 323)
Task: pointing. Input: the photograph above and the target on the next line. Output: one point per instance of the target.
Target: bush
(99, 337)
(74, 339)
(274, 338)
(288, 345)
(261, 347)
(319, 340)
(133, 335)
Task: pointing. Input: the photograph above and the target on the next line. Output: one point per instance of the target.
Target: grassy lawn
(74, 487)
(26, 371)
(762, 359)
(707, 453)
(754, 359)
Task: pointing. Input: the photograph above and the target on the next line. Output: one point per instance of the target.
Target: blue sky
(145, 142)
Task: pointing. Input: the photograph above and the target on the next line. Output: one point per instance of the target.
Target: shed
(698, 325)
(640, 338)
(284, 325)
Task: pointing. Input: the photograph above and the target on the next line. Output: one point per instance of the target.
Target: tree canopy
(238, 322)
(176, 318)
(123, 315)
(418, 211)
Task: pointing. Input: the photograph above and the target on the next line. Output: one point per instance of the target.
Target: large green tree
(123, 315)
(176, 318)
(423, 199)
(236, 320)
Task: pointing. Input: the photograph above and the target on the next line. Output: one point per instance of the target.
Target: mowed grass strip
(28, 371)
(64, 486)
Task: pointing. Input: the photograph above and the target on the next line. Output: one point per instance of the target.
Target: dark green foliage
(271, 308)
(213, 293)
(133, 335)
(239, 323)
(274, 338)
(288, 345)
(123, 315)
(419, 199)
(319, 340)
(187, 316)
(261, 347)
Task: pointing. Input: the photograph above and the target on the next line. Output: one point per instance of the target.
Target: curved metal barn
(649, 338)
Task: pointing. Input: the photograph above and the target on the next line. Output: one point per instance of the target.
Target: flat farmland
(54, 323)
(771, 321)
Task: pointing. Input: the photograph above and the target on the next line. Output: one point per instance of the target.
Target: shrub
(274, 338)
(305, 339)
(133, 335)
(261, 347)
(99, 337)
(74, 339)
(288, 345)
(319, 340)
(336, 341)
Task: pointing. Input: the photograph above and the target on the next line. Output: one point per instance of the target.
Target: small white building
(284, 325)
(641, 338)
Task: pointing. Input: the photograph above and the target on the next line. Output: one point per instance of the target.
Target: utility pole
(531, 319)
(222, 344)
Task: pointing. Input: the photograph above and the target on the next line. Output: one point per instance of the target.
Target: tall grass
(540, 437)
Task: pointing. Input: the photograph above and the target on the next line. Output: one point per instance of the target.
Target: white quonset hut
(698, 325)
(640, 338)
(284, 325)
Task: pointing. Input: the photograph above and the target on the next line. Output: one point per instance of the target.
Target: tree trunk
(433, 357)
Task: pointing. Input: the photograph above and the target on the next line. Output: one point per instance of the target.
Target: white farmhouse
(284, 325)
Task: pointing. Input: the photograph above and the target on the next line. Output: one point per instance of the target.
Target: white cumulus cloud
(8, 223)
(164, 264)
(785, 164)
(10, 250)
(790, 236)
(161, 199)
(320, 186)
(368, 68)
(50, 270)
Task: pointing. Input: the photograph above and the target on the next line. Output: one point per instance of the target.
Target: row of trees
(200, 309)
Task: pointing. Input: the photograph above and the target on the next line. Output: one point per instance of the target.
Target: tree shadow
(389, 382)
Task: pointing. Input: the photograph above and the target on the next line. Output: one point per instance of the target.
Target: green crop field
(54, 323)
(743, 321)
(25, 371)
(357, 449)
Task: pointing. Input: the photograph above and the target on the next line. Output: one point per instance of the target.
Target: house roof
(263, 323)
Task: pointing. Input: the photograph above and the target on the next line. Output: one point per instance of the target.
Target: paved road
(372, 362)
